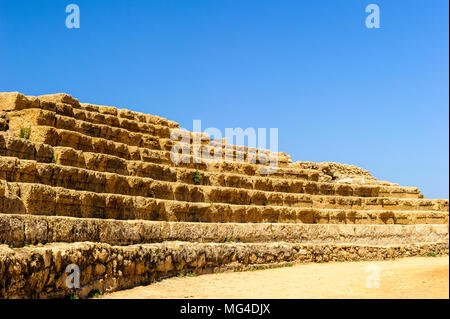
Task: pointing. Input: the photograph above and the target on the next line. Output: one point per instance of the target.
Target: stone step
(39, 199)
(281, 182)
(25, 149)
(41, 272)
(26, 171)
(20, 230)
(284, 180)
(66, 105)
(39, 117)
(159, 139)
(61, 137)
(234, 173)
(121, 129)
(130, 120)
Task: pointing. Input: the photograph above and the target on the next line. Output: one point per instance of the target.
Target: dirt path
(404, 278)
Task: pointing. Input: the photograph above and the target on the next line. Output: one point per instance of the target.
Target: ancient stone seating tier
(95, 186)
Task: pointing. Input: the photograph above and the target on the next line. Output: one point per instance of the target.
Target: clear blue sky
(337, 91)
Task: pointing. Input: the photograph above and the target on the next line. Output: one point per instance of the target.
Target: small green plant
(197, 178)
(258, 268)
(54, 158)
(11, 246)
(431, 254)
(265, 202)
(271, 228)
(227, 240)
(95, 293)
(395, 219)
(74, 296)
(289, 265)
(25, 132)
(191, 274)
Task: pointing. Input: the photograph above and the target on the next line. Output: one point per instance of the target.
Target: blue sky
(337, 91)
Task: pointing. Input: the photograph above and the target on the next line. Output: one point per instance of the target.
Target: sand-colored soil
(403, 278)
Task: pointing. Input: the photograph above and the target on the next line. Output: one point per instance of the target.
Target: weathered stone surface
(305, 181)
(338, 172)
(4, 121)
(10, 101)
(39, 272)
(68, 138)
(42, 199)
(94, 161)
(18, 230)
(16, 170)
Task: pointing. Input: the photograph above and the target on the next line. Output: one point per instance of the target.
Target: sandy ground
(426, 277)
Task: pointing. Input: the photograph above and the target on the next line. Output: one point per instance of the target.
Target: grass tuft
(25, 132)
(197, 178)
(95, 293)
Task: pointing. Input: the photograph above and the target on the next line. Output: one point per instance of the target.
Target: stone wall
(40, 272)
(18, 230)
